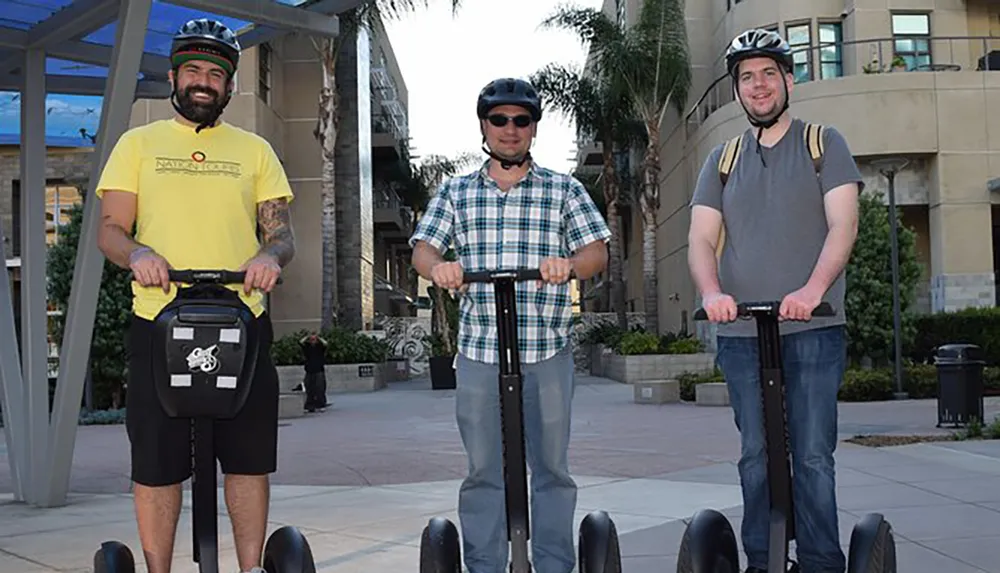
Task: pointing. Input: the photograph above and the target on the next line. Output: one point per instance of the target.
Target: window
(264, 72)
(798, 40)
(59, 199)
(912, 33)
(831, 61)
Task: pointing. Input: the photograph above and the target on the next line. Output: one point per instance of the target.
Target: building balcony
(390, 130)
(883, 101)
(392, 219)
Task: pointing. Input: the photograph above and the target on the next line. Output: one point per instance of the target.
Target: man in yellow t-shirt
(197, 189)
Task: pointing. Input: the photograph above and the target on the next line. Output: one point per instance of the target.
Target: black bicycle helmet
(758, 43)
(509, 91)
(204, 39)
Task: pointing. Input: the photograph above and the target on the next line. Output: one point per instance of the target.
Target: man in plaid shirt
(513, 214)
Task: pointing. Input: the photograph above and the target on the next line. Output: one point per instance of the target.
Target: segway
(709, 543)
(205, 346)
(440, 550)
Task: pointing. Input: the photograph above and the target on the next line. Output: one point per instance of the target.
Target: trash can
(960, 383)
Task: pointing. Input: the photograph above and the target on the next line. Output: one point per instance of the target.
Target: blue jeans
(814, 363)
(548, 396)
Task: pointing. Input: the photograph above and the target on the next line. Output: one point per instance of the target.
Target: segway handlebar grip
(516, 274)
(748, 309)
(221, 277)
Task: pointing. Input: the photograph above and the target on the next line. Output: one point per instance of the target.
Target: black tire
(114, 557)
(873, 547)
(288, 551)
(708, 545)
(440, 550)
(598, 544)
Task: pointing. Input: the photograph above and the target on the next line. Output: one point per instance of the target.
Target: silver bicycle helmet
(758, 43)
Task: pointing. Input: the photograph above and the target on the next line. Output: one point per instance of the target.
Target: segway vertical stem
(782, 521)
(204, 497)
(512, 425)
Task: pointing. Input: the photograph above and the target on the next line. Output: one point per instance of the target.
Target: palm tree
(600, 112)
(651, 61)
(369, 17)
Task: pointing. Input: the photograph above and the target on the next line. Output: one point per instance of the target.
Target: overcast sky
(446, 60)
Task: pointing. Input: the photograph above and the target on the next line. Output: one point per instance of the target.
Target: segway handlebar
(206, 276)
(516, 274)
(751, 309)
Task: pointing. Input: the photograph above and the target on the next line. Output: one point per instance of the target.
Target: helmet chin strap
(760, 124)
(507, 164)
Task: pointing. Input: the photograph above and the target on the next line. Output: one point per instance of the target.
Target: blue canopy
(78, 35)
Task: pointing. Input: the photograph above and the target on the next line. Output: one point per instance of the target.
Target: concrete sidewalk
(362, 479)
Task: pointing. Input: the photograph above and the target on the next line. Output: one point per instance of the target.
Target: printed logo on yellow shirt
(198, 164)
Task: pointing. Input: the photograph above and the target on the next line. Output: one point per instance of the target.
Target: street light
(889, 167)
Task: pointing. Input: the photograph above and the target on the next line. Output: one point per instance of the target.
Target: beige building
(909, 81)
(277, 97)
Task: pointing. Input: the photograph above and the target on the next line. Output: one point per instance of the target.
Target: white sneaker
(256, 570)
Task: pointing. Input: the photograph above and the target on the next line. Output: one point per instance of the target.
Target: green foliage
(867, 385)
(979, 326)
(869, 283)
(343, 346)
(634, 343)
(114, 307)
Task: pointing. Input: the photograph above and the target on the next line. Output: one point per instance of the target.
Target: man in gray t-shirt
(790, 226)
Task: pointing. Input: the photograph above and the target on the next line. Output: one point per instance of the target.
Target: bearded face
(202, 89)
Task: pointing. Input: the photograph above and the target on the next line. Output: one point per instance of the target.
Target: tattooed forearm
(276, 228)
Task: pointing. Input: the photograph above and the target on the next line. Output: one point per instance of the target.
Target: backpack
(812, 135)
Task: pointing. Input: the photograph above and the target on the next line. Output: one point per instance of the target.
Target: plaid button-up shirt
(546, 214)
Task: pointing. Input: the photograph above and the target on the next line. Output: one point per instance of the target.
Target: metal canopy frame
(40, 445)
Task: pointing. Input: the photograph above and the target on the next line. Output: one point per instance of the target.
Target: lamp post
(889, 167)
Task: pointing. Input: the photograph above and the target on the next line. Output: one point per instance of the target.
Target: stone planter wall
(629, 369)
(340, 378)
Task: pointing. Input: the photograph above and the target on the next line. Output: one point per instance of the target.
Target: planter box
(442, 372)
(340, 378)
(629, 369)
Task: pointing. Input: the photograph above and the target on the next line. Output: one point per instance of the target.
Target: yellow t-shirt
(197, 196)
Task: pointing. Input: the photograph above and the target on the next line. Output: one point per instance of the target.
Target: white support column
(115, 114)
(11, 383)
(34, 343)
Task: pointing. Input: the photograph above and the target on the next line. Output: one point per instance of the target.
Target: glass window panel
(910, 24)
(801, 73)
(829, 54)
(829, 33)
(798, 35)
(904, 46)
(831, 70)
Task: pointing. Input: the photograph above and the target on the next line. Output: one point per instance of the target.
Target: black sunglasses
(501, 120)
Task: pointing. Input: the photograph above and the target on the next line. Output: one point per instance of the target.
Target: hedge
(867, 385)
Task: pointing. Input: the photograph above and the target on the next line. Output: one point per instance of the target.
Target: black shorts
(161, 446)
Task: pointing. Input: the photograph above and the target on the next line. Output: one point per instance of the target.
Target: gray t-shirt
(775, 220)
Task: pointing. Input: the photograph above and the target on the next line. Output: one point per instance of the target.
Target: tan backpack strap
(728, 158)
(730, 153)
(813, 135)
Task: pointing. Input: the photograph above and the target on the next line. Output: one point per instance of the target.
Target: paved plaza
(362, 479)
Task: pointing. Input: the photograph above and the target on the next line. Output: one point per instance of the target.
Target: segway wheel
(439, 547)
(708, 545)
(114, 557)
(287, 551)
(599, 552)
(873, 548)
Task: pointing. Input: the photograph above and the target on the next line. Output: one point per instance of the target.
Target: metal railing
(831, 60)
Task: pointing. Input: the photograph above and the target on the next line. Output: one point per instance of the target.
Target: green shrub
(342, 347)
(634, 343)
(979, 326)
(689, 345)
(689, 380)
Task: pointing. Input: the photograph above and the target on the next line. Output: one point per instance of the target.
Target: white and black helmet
(758, 43)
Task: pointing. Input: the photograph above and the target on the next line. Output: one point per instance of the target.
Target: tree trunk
(610, 183)
(326, 133)
(650, 203)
